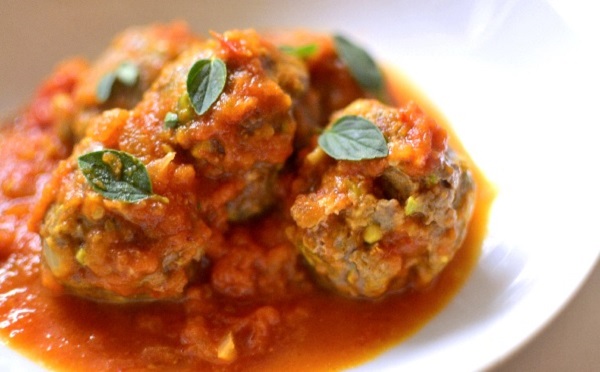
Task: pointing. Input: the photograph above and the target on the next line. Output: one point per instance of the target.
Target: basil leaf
(302, 51)
(362, 67)
(116, 175)
(127, 74)
(353, 138)
(171, 120)
(205, 82)
(104, 87)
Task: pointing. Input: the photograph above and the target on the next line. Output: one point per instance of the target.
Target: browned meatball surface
(211, 168)
(372, 227)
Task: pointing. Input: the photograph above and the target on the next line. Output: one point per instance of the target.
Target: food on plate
(208, 169)
(379, 225)
(236, 200)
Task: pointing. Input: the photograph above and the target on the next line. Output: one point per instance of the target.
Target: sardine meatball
(206, 170)
(371, 227)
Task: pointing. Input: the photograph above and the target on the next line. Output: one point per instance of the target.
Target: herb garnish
(353, 138)
(116, 175)
(412, 206)
(302, 51)
(205, 82)
(171, 120)
(362, 67)
(127, 74)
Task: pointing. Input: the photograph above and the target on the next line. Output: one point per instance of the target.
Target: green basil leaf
(127, 73)
(116, 175)
(302, 51)
(362, 67)
(205, 82)
(104, 88)
(171, 120)
(353, 138)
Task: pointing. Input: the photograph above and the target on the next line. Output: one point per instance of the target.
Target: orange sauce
(328, 332)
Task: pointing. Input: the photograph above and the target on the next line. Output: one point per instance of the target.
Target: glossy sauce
(320, 331)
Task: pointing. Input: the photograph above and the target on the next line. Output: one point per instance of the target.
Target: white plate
(518, 80)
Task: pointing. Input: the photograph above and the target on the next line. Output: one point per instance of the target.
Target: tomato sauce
(316, 330)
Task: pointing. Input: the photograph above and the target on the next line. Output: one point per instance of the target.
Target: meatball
(145, 50)
(372, 227)
(113, 250)
(209, 169)
(244, 140)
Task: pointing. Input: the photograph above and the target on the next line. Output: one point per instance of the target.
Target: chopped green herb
(185, 111)
(432, 180)
(302, 51)
(205, 82)
(412, 206)
(362, 67)
(116, 175)
(127, 74)
(353, 138)
(104, 87)
(171, 120)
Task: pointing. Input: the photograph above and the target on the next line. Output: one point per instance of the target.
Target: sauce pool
(322, 331)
